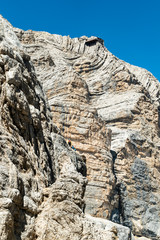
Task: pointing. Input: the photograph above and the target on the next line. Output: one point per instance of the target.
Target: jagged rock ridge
(108, 108)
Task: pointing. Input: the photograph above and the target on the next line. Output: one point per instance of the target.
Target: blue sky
(129, 28)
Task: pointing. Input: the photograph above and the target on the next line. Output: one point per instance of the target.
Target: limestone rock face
(109, 109)
(42, 179)
(53, 89)
(78, 120)
(26, 147)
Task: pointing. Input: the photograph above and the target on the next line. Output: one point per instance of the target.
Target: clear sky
(129, 28)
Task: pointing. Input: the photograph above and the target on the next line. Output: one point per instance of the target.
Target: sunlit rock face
(53, 89)
(94, 98)
(42, 179)
(26, 147)
(74, 114)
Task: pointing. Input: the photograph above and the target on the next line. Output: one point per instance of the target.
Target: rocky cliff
(53, 89)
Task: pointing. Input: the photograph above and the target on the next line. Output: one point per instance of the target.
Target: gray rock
(108, 108)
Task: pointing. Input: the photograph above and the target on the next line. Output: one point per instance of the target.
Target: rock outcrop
(78, 120)
(53, 89)
(26, 147)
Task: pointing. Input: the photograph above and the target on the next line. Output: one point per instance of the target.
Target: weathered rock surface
(91, 92)
(26, 147)
(69, 98)
(42, 179)
(110, 111)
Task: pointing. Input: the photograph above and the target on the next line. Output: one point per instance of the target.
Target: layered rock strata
(110, 111)
(69, 99)
(42, 179)
(95, 96)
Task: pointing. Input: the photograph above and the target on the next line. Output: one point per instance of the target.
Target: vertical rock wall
(42, 180)
(97, 97)
(26, 148)
(109, 110)
(78, 120)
